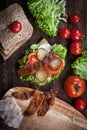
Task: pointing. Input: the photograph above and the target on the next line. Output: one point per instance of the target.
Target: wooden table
(8, 76)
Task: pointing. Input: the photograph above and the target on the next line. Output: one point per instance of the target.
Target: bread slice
(9, 53)
(9, 40)
(61, 116)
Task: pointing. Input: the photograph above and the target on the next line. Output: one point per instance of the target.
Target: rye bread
(13, 48)
(5, 57)
(10, 42)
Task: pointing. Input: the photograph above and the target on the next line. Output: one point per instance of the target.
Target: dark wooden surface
(8, 76)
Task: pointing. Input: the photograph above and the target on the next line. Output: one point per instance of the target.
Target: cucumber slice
(41, 75)
(41, 53)
(55, 63)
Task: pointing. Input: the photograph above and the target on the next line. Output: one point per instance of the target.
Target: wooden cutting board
(61, 116)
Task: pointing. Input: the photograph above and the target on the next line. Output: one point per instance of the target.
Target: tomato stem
(76, 86)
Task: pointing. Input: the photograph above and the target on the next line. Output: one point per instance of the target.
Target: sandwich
(42, 62)
(10, 41)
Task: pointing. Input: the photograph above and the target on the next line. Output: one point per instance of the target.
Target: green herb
(47, 14)
(80, 66)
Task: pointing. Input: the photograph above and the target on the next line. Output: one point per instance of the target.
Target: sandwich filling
(42, 62)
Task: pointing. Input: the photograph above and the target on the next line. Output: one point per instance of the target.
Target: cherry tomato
(75, 18)
(76, 34)
(76, 48)
(15, 27)
(65, 33)
(74, 86)
(80, 104)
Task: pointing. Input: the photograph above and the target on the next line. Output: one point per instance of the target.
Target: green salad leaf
(47, 14)
(56, 48)
(80, 65)
(59, 50)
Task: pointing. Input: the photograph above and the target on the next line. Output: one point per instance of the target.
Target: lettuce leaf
(80, 65)
(47, 14)
(57, 49)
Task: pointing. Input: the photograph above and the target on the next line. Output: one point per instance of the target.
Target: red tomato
(80, 104)
(32, 58)
(65, 33)
(74, 86)
(76, 34)
(74, 18)
(15, 27)
(76, 48)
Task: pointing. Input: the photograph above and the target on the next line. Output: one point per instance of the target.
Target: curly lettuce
(47, 14)
(59, 50)
(80, 65)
